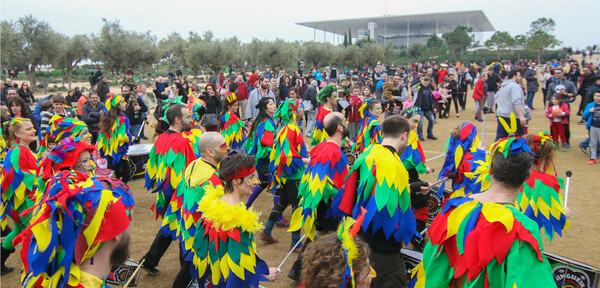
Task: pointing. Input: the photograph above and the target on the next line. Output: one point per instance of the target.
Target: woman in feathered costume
(77, 233)
(540, 198)
(287, 161)
(230, 126)
(329, 100)
(18, 182)
(370, 130)
(260, 143)
(114, 138)
(69, 154)
(224, 243)
(197, 110)
(463, 156)
(482, 240)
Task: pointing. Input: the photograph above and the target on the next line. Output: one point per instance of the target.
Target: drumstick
(134, 273)
(449, 177)
(288, 255)
(141, 128)
(439, 156)
(569, 173)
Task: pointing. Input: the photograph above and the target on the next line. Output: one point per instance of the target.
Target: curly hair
(324, 262)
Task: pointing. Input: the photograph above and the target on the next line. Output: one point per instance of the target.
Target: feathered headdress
(325, 92)
(168, 103)
(231, 99)
(112, 101)
(76, 216)
(414, 110)
(285, 111)
(456, 149)
(364, 112)
(538, 142)
(346, 232)
(60, 128)
(64, 155)
(513, 144)
(198, 110)
(513, 124)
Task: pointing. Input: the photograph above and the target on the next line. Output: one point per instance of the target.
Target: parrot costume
(116, 144)
(370, 129)
(319, 135)
(232, 127)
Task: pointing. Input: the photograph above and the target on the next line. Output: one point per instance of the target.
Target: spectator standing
(592, 115)
(242, 94)
(253, 79)
(25, 93)
(492, 83)
(213, 107)
(58, 108)
(532, 84)
(480, 95)
(463, 79)
(587, 79)
(82, 100)
(256, 95)
(510, 100)
(558, 114)
(102, 88)
(311, 105)
(91, 113)
(567, 91)
(423, 98)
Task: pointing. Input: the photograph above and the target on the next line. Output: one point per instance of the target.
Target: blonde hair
(15, 125)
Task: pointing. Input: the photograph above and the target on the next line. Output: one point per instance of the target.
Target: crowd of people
(342, 148)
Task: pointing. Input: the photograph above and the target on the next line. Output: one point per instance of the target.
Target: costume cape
(378, 182)
(182, 212)
(63, 233)
(540, 200)
(286, 156)
(117, 143)
(225, 252)
(462, 157)
(413, 156)
(484, 244)
(370, 133)
(18, 184)
(321, 181)
(233, 131)
(319, 135)
(260, 142)
(167, 160)
(193, 136)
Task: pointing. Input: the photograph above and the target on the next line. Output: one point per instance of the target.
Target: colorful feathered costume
(378, 182)
(77, 216)
(197, 110)
(225, 252)
(60, 128)
(64, 156)
(260, 143)
(323, 179)
(370, 129)
(319, 135)
(289, 149)
(167, 160)
(116, 144)
(484, 245)
(182, 214)
(540, 197)
(232, 127)
(462, 157)
(413, 156)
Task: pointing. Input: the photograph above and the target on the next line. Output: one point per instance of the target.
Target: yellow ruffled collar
(225, 216)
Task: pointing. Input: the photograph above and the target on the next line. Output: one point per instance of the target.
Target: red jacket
(564, 119)
(352, 110)
(479, 89)
(242, 91)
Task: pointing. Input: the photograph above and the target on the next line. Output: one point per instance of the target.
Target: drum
(351, 156)
(411, 260)
(121, 274)
(435, 203)
(569, 273)
(138, 157)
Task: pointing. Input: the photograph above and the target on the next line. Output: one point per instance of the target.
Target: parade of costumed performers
(379, 183)
(167, 160)
(482, 240)
(18, 182)
(286, 165)
(230, 125)
(540, 198)
(328, 99)
(370, 129)
(259, 144)
(77, 233)
(225, 251)
(463, 155)
(322, 180)
(198, 176)
(338, 259)
(114, 139)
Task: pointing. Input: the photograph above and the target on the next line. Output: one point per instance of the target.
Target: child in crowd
(408, 103)
(592, 115)
(444, 109)
(558, 114)
(354, 113)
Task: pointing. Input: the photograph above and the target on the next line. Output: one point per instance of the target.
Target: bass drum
(120, 275)
(138, 157)
(435, 203)
(351, 156)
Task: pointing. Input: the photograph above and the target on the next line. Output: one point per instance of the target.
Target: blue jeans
(430, 121)
(502, 133)
(530, 95)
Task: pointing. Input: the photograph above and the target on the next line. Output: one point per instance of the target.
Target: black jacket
(102, 90)
(136, 118)
(91, 116)
(419, 100)
(311, 94)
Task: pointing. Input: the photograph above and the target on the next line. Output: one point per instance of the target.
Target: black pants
(289, 196)
(184, 277)
(121, 169)
(94, 137)
(390, 269)
(462, 99)
(455, 99)
(158, 248)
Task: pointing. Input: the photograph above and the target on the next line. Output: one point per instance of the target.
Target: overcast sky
(577, 20)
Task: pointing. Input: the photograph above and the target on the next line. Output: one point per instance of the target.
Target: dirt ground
(579, 242)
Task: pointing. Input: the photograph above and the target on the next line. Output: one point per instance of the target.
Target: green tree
(541, 36)
(415, 51)
(35, 44)
(278, 53)
(499, 41)
(519, 43)
(345, 39)
(436, 46)
(459, 39)
(213, 53)
(349, 36)
(373, 53)
(317, 53)
(11, 44)
(171, 48)
(352, 57)
(73, 50)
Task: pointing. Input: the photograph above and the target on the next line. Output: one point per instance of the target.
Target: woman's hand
(273, 273)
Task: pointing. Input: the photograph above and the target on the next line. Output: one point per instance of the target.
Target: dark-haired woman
(213, 107)
(114, 138)
(284, 88)
(225, 252)
(260, 143)
(16, 106)
(25, 93)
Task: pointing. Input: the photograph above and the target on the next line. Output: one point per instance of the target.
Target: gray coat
(569, 88)
(509, 97)
(532, 81)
